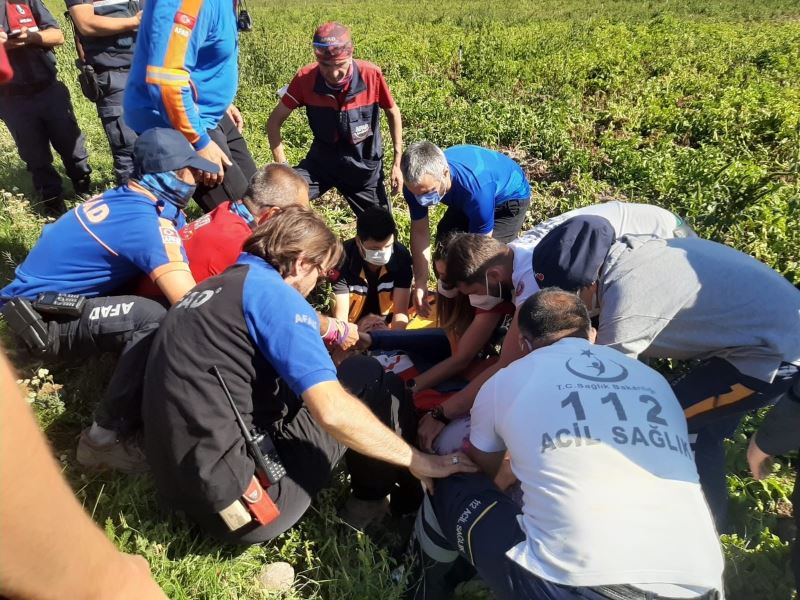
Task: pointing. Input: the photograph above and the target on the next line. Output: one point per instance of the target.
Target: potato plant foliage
(692, 105)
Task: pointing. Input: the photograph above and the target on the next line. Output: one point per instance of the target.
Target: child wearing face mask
(374, 286)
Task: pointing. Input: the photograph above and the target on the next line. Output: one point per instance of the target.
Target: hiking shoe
(360, 513)
(122, 455)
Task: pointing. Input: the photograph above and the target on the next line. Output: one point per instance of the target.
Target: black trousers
(508, 220)
(120, 137)
(310, 454)
(38, 120)
(237, 176)
(386, 395)
(361, 188)
(123, 324)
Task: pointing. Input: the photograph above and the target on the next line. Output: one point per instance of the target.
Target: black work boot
(83, 187)
(53, 206)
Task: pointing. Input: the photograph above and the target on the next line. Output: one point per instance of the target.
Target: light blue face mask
(432, 198)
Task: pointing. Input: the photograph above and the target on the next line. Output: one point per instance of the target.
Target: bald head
(552, 314)
(275, 186)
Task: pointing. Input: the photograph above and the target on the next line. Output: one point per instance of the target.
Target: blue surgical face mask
(168, 188)
(432, 198)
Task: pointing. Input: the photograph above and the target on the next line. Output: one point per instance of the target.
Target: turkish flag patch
(182, 18)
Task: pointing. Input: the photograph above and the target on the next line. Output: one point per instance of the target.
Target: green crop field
(691, 105)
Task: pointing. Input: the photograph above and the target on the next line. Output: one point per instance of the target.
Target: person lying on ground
(374, 282)
(252, 329)
(612, 507)
(92, 251)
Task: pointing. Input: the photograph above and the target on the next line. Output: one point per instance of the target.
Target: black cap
(159, 150)
(570, 256)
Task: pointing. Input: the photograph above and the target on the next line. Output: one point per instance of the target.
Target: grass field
(691, 105)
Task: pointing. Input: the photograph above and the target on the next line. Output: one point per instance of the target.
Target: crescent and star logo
(594, 369)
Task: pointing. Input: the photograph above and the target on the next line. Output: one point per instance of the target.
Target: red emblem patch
(539, 276)
(182, 18)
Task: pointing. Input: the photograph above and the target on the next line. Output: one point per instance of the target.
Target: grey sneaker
(123, 455)
(360, 513)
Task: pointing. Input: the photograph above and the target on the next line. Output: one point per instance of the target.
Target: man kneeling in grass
(612, 505)
(252, 329)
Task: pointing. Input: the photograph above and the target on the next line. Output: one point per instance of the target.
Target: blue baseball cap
(570, 256)
(159, 150)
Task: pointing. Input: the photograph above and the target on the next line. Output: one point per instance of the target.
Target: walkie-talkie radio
(269, 471)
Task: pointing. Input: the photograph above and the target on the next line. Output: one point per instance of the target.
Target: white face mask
(446, 292)
(378, 257)
(486, 301)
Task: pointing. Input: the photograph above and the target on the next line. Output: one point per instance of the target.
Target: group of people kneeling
(562, 467)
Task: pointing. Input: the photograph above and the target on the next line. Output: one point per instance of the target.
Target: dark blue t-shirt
(482, 180)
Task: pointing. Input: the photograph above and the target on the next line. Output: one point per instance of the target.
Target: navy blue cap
(159, 150)
(570, 256)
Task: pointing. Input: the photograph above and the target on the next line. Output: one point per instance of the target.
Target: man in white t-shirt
(612, 505)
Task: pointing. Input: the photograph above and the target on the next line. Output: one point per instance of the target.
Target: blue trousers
(715, 396)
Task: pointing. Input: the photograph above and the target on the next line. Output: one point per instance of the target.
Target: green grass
(691, 105)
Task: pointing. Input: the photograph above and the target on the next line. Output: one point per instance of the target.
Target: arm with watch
(460, 403)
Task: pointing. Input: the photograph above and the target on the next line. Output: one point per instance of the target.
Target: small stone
(277, 577)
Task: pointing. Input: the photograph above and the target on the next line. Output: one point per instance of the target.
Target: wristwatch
(437, 412)
(411, 384)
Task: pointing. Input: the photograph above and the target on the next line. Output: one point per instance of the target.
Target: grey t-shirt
(696, 299)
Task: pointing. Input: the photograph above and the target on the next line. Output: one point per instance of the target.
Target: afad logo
(589, 366)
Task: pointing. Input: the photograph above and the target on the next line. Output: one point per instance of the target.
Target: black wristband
(437, 412)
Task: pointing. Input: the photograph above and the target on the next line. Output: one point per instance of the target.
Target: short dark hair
(375, 223)
(469, 255)
(292, 232)
(273, 185)
(552, 314)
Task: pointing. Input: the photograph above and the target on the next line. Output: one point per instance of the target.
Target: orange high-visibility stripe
(175, 59)
(738, 392)
(168, 268)
(172, 97)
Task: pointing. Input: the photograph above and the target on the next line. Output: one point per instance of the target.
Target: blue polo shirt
(482, 180)
(101, 245)
(284, 327)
